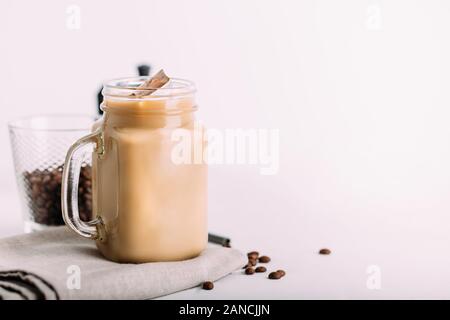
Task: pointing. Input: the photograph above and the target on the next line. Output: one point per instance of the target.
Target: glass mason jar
(149, 206)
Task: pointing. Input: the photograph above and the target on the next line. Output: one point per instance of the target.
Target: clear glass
(39, 146)
(147, 207)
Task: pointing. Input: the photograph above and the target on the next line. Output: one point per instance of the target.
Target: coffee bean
(252, 262)
(35, 189)
(260, 269)
(45, 196)
(87, 173)
(47, 178)
(58, 176)
(275, 275)
(325, 251)
(281, 272)
(253, 255)
(249, 271)
(264, 259)
(33, 179)
(208, 285)
(52, 185)
(40, 201)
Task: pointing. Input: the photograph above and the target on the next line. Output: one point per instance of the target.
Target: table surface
(412, 262)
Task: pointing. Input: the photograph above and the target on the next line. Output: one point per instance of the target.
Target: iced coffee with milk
(148, 207)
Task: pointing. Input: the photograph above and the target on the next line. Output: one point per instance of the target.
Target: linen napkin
(58, 264)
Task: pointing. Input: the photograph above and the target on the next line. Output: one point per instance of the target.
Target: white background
(358, 90)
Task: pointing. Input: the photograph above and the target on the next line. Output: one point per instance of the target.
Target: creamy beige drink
(150, 208)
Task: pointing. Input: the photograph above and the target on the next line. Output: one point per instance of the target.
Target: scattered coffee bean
(253, 255)
(43, 189)
(325, 251)
(208, 285)
(281, 272)
(260, 269)
(264, 259)
(249, 271)
(252, 262)
(275, 275)
(248, 265)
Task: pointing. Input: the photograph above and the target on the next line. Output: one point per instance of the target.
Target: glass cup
(39, 146)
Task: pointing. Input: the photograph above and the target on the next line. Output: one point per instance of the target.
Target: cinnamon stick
(152, 84)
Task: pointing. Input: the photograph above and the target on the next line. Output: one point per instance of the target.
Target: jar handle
(69, 186)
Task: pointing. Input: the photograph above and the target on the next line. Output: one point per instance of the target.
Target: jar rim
(126, 88)
(53, 122)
